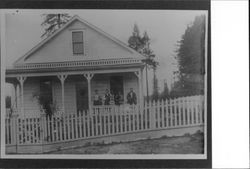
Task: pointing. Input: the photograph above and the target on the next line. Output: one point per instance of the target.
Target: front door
(116, 86)
(81, 96)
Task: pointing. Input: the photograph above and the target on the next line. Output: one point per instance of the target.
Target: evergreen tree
(52, 22)
(165, 93)
(155, 95)
(135, 41)
(142, 45)
(191, 60)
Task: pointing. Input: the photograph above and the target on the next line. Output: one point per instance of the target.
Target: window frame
(83, 43)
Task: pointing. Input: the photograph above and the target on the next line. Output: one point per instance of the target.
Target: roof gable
(58, 47)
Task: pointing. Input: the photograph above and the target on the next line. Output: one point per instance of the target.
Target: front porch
(72, 92)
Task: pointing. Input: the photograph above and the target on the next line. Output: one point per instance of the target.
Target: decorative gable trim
(87, 63)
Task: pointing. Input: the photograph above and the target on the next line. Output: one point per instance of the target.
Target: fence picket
(57, 128)
(162, 113)
(130, 119)
(176, 116)
(19, 126)
(124, 118)
(36, 120)
(120, 118)
(80, 124)
(7, 131)
(197, 109)
(202, 109)
(67, 124)
(95, 124)
(186, 104)
(32, 126)
(108, 121)
(116, 120)
(170, 113)
(191, 111)
(157, 112)
(105, 121)
(88, 124)
(181, 115)
(166, 113)
(84, 124)
(63, 121)
(113, 119)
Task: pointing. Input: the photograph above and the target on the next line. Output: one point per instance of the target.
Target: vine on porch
(46, 105)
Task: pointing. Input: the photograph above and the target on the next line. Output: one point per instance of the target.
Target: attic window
(77, 40)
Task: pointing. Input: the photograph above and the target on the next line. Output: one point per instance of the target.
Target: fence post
(152, 114)
(42, 129)
(14, 130)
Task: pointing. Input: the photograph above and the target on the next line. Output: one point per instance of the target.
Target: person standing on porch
(131, 97)
(97, 99)
(107, 97)
(118, 98)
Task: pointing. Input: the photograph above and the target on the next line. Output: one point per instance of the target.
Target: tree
(165, 93)
(142, 45)
(52, 22)
(191, 60)
(155, 94)
(135, 41)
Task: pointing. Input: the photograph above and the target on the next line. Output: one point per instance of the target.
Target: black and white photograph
(104, 84)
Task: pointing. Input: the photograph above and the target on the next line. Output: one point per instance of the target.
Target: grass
(186, 144)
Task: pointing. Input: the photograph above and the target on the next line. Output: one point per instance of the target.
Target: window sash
(78, 48)
(77, 42)
(77, 36)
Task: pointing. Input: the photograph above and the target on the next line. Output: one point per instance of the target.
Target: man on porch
(131, 97)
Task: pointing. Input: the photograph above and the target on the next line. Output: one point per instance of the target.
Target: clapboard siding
(57, 93)
(31, 105)
(70, 97)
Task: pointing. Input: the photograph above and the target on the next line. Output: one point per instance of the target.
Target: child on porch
(107, 97)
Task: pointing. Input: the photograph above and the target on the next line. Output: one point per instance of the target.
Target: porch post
(62, 79)
(21, 80)
(15, 96)
(89, 76)
(139, 75)
(141, 86)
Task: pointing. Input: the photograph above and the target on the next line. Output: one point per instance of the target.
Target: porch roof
(98, 65)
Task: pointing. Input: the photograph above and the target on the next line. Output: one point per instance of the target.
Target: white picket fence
(105, 121)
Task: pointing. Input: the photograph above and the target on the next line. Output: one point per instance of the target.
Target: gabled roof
(74, 18)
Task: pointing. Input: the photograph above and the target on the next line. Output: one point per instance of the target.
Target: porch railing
(105, 121)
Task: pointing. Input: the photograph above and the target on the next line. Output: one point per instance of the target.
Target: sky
(164, 27)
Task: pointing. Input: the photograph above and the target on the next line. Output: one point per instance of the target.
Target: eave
(80, 69)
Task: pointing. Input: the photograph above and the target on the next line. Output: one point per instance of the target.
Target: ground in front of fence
(186, 144)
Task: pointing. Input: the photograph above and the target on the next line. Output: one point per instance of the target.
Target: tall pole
(147, 80)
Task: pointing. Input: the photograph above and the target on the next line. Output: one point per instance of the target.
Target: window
(77, 40)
